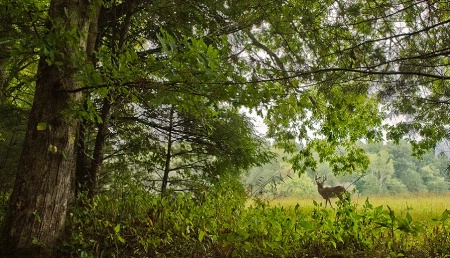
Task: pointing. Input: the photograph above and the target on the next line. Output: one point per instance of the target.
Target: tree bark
(44, 185)
(100, 139)
(82, 179)
(165, 179)
(119, 37)
(83, 161)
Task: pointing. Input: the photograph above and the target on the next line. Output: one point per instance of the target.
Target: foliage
(163, 83)
(392, 170)
(21, 22)
(12, 131)
(192, 150)
(300, 185)
(140, 224)
(321, 83)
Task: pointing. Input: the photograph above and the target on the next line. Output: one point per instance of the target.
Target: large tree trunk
(44, 185)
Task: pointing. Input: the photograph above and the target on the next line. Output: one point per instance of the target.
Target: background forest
(392, 170)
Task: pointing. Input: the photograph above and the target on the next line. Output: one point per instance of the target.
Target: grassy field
(420, 206)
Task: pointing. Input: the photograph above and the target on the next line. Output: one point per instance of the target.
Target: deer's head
(320, 183)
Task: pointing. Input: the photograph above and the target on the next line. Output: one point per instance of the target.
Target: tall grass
(420, 206)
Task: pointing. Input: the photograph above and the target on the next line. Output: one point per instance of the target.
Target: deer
(328, 192)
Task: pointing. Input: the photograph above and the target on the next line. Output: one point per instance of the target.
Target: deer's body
(329, 192)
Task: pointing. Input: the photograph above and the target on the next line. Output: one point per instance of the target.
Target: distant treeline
(392, 170)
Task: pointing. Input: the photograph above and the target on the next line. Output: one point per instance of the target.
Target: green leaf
(41, 126)
(247, 246)
(117, 228)
(445, 214)
(306, 225)
(120, 239)
(334, 244)
(242, 233)
(201, 235)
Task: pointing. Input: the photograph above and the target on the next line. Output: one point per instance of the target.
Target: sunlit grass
(420, 206)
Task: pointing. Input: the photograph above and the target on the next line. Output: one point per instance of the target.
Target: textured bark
(83, 160)
(45, 180)
(100, 139)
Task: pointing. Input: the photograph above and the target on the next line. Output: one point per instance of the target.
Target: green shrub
(222, 223)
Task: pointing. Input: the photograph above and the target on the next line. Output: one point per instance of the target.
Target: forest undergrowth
(134, 223)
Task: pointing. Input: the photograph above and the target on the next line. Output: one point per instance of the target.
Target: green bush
(223, 224)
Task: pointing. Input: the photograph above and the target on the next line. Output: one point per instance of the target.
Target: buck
(328, 192)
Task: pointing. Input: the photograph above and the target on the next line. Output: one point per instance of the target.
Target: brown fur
(329, 192)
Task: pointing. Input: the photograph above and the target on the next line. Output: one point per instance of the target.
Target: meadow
(421, 207)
